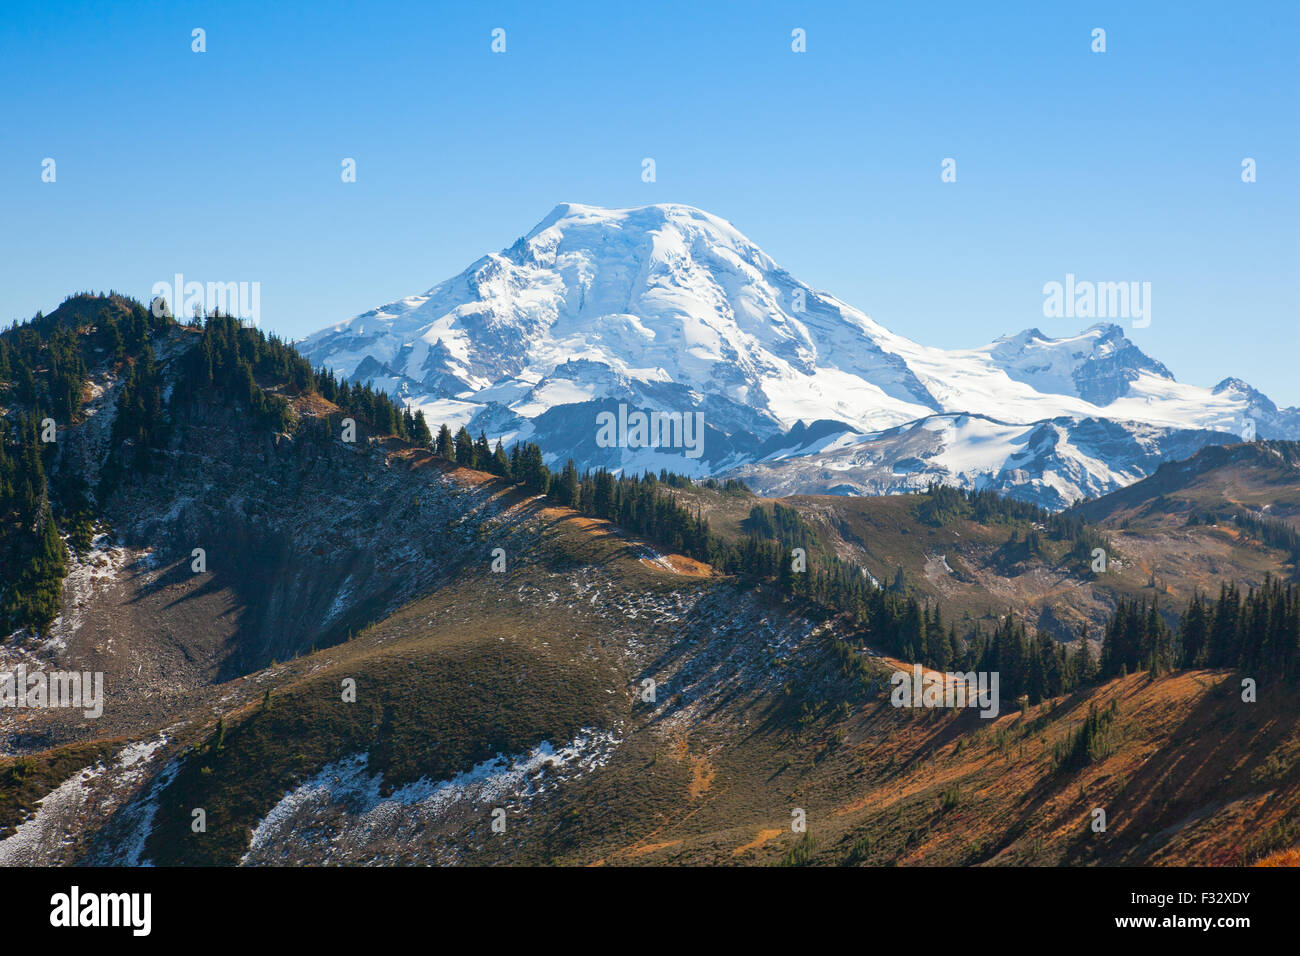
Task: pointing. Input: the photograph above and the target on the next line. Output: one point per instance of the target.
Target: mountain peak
(592, 211)
(572, 216)
(1257, 402)
(1098, 365)
(1108, 330)
(668, 307)
(1233, 383)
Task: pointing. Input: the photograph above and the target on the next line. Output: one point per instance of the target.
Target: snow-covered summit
(666, 306)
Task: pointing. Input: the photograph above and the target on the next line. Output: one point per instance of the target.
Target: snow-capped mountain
(667, 308)
(1098, 365)
(1054, 463)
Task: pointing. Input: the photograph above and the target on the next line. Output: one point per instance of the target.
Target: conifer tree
(445, 450)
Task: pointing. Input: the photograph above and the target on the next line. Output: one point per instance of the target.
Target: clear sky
(1115, 166)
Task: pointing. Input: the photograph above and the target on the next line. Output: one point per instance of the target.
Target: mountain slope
(615, 701)
(1052, 463)
(1226, 513)
(1256, 478)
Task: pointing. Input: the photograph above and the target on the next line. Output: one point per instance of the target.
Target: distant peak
(1022, 338)
(1103, 331)
(1234, 383)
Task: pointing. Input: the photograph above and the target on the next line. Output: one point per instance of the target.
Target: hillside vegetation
(420, 646)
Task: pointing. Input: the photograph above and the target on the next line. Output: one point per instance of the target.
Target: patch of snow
(349, 785)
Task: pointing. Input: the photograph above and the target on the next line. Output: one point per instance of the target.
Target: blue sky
(225, 165)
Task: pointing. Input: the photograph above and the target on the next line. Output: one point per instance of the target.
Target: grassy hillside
(1261, 477)
(977, 568)
(620, 699)
(1186, 773)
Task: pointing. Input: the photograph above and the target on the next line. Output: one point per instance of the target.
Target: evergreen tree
(464, 448)
(445, 448)
(482, 453)
(500, 463)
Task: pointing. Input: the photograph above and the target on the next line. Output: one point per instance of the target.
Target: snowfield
(340, 816)
(51, 835)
